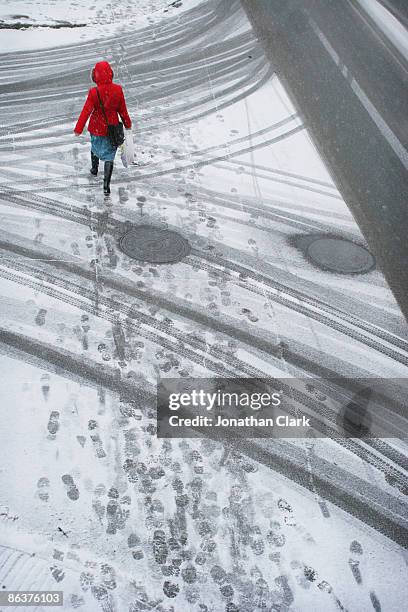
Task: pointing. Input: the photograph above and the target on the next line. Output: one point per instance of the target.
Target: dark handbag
(116, 134)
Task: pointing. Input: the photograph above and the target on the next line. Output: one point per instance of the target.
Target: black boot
(108, 169)
(95, 164)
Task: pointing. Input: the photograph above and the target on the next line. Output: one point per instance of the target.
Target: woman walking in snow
(103, 104)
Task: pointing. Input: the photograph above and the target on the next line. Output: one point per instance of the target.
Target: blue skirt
(102, 148)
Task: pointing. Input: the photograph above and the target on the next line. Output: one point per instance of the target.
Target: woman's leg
(95, 164)
(108, 169)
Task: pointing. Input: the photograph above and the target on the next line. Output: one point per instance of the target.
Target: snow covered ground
(35, 25)
(116, 518)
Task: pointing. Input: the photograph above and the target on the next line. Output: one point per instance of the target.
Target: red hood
(103, 73)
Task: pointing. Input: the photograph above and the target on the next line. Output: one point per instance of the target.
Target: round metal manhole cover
(154, 245)
(341, 256)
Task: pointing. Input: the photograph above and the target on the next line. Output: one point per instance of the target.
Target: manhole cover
(155, 245)
(340, 255)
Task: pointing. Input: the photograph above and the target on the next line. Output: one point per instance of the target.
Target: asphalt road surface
(352, 90)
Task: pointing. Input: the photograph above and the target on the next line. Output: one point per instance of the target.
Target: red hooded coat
(113, 101)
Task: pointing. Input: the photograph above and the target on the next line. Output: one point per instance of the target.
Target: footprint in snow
(43, 488)
(104, 352)
(96, 439)
(356, 549)
(57, 573)
(71, 488)
(249, 315)
(45, 385)
(53, 423)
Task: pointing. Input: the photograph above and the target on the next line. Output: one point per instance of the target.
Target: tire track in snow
(288, 297)
(372, 507)
(180, 339)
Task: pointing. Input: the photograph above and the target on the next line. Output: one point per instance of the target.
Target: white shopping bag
(127, 150)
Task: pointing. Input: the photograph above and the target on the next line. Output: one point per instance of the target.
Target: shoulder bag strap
(102, 106)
